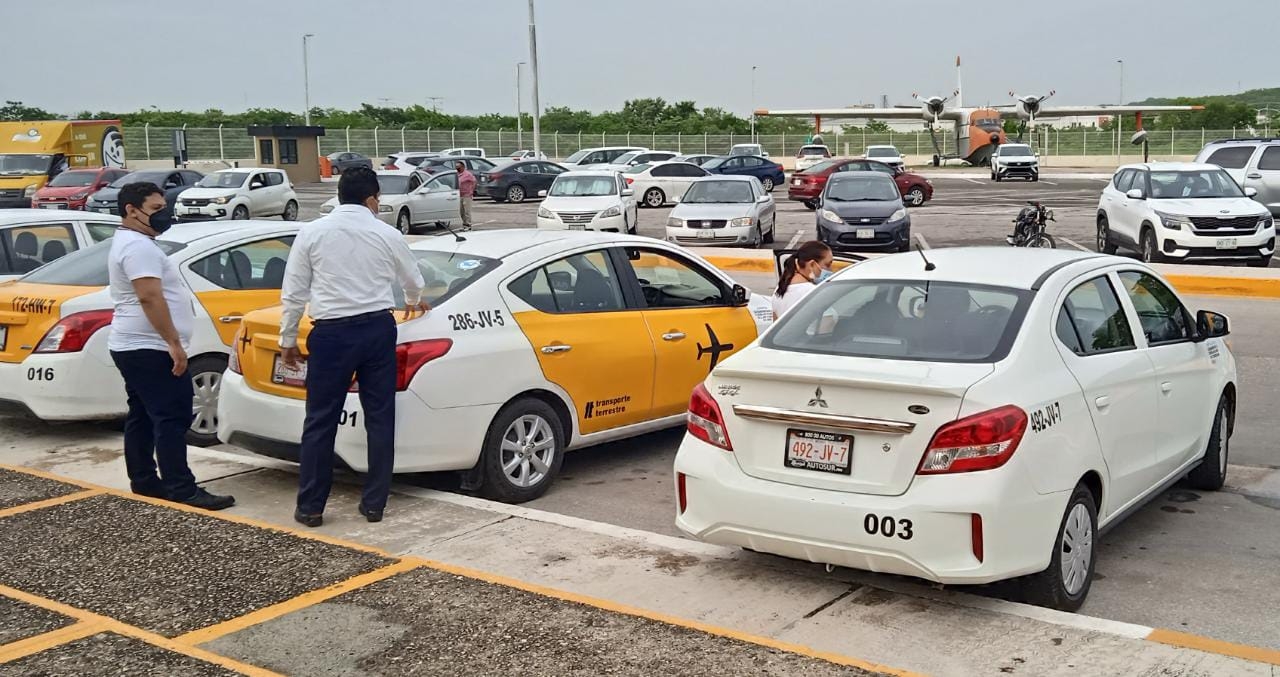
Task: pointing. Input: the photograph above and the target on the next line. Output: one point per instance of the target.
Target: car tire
(206, 382)
(812, 205)
(1104, 244)
(1148, 250)
(516, 193)
(403, 222)
(509, 449)
(654, 198)
(240, 213)
(773, 231)
(290, 211)
(767, 182)
(1065, 584)
(915, 196)
(1211, 474)
(1035, 177)
(758, 240)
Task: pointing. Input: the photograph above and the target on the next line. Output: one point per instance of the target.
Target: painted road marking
(924, 244)
(795, 239)
(1210, 645)
(33, 645)
(49, 502)
(965, 178)
(1048, 182)
(1075, 244)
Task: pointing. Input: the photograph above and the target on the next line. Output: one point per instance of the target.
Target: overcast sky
(123, 55)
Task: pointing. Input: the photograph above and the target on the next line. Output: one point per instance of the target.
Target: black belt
(351, 319)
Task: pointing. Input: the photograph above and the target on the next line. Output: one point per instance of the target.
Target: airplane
(714, 349)
(977, 130)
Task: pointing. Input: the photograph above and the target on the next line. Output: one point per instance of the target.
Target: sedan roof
(1017, 267)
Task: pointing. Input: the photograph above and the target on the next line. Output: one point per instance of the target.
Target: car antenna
(928, 265)
(454, 233)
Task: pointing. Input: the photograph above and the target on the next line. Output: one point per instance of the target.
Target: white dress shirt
(345, 264)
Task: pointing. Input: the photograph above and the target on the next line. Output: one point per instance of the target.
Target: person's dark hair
(136, 194)
(812, 250)
(356, 185)
(460, 165)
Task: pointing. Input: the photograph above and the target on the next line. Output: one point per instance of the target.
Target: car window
(275, 179)
(732, 163)
(87, 267)
(752, 162)
(552, 169)
(1161, 314)
(691, 171)
(622, 183)
(442, 183)
(26, 248)
(255, 265)
(1123, 179)
(1067, 332)
(1270, 158)
(1231, 157)
(527, 169)
(582, 283)
(415, 182)
(669, 282)
(1094, 313)
(881, 167)
(173, 180)
(666, 171)
(101, 231)
(257, 180)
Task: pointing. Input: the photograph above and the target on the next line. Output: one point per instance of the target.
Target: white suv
(1174, 211)
(239, 194)
(1015, 159)
(1253, 163)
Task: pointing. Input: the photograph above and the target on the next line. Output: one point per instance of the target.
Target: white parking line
(1048, 182)
(1075, 244)
(971, 180)
(795, 239)
(924, 244)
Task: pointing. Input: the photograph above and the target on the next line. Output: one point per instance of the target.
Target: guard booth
(293, 148)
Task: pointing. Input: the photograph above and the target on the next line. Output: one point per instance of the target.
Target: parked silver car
(723, 210)
(1253, 163)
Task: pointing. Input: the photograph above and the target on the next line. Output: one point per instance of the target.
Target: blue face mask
(823, 275)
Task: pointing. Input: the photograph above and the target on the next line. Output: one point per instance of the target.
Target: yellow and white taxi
(538, 342)
(54, 322)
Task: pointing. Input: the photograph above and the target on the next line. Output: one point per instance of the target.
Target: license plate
(283, 374)
(866, 233)
(102, 210)
(1226, 243)
(193, 211)
(823, 452)
(49, 205)
(4, 337)
(705, 235)
(796, 182)
(577, 227)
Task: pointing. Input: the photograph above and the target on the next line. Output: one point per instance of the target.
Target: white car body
(636, 158)
(1015, 159)
(811, 155)
(589, 157)
(618, 211)
(918, 494)
(526, 155)
(596, 370)
(694, 159)
(406, 161)
(34, 237)
(748, 149)
(1180, 227)
(85, 384)
(662, 182)
(258, 193)
(471, 152)
(1253, 163)
(432, 199)
(751, 221)
(889, 155)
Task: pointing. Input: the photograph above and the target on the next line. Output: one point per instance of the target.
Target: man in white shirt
(154, 314)
(346, 266)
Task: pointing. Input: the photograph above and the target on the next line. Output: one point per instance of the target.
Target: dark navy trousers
(156, 427)
(363, 347)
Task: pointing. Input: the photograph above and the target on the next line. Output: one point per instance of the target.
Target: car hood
(206, 193)
(694, 212)
(61, 191)
(581, 204)
(879, 208)
(1232, 206)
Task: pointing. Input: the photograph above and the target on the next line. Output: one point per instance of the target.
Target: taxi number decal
(483, 319)
(27, 304)
(37, 374)
(349, 418)
(888, 527)
(1043, 419)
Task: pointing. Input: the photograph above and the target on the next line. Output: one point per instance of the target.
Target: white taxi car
(413, 199)
(538, 342)
(30, 238)
(973, 419)
(54, 322)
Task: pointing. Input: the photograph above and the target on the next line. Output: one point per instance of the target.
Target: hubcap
(528, 449)
(291, 212)
(655, 200)
(1102, 236)
(917, 197)
(768, 184)
(1149, 251)
(516, 194)
(403, 223)
(204, 406)
(1076, 549)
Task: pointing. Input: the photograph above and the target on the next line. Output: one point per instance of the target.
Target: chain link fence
(155, 143)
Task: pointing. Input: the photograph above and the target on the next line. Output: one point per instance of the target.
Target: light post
(1121, 62)
(533, 64)
(753, 104)
(519, 113)
(306, 81)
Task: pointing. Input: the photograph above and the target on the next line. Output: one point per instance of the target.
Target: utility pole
(533, 64)
(435, 102)
(519, 113)
(1121, 62)
(306, 81)
(753, 104)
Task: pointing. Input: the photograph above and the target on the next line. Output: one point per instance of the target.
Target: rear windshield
(156, 176)
(87, 267)
(636, 169)
(447, 274)
(904, 320)
(882, 152)
(815, 150)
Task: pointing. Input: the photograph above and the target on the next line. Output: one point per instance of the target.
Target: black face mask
(160, 221)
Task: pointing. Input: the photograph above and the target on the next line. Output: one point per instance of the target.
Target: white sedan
(30, 238)
(537, 342)
(411, 200)
(724, 210)
(54, 322)
(589, 199)
(975, 418)
(662, 182)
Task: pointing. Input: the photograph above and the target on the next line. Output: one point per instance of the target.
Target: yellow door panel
(28, 311)
(227, 307)
(604, 361)
(688, 343)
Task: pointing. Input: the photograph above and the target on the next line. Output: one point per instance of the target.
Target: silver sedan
(723, 210)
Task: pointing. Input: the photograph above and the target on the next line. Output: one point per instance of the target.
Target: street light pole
(1121, 62)
(306, 81)
(533, 64)
(519, 113)
(1120, 116)
(753, 104)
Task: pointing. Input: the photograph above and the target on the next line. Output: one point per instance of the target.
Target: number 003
(888, 527)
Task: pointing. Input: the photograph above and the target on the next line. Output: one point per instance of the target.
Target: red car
(806, 185)
(71, 189)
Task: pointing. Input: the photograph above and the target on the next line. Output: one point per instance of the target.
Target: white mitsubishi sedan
(975, 418)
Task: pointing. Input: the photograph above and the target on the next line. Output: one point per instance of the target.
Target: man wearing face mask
(343, 270)
(154, 313)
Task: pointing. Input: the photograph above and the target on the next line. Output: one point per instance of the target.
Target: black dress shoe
(207, 501)
(150, 491)
(304, 519)
(371, 514)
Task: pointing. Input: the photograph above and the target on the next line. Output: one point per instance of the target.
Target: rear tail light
(410, 357)
(682, 499)
(630, 181)
(979, 442)
(392, 166)
(492, 177)
(705, 421)
(975, 528)
(73, 332)
(233, 360)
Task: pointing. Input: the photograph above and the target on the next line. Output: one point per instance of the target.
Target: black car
(517, 181)
(343, 161)
(445, 163)
(171, 181)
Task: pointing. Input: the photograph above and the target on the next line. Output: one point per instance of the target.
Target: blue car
(769, 172)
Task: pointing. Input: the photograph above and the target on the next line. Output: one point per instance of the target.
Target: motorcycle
(1030, 228)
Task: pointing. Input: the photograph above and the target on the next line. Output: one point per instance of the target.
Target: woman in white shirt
(801, 273)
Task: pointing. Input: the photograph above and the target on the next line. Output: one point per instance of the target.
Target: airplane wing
(1082, 111)
(912, 113)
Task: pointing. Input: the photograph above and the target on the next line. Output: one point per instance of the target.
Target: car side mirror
(1250, 192)
(739, 296)
(542, 193)
(1136, 194)
(1212, 325)
(628, 193)
(763, 198)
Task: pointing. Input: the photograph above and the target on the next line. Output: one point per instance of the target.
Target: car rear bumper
(803, 191)
(67, 387)
(932, 532)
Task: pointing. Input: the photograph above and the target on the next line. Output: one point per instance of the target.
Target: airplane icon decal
(715, 349)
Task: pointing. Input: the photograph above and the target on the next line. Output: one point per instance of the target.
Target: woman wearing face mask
(801, 273)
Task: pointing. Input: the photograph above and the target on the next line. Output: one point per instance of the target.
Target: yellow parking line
(49, 502)
(1206, 285)
(33, 645)
(668, 619)
(291, 605)
(743, 263)
(1217, 646)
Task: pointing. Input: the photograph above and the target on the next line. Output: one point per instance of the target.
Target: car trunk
(28, 311)
(888, 410)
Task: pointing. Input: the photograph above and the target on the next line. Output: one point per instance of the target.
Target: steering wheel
(652, 295)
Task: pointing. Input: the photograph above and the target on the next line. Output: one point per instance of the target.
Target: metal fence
(218, 143)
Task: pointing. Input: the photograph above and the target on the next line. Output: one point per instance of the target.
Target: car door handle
(228, 319)
(1166, 387)
(557, 348)
(673, 336)
(1102, 402)
(1254, 175)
